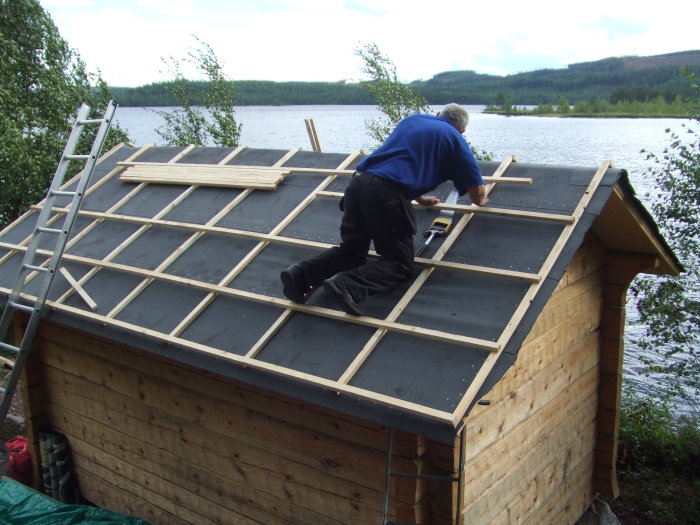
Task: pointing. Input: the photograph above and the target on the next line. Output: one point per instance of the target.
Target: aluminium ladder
(29, 265)
(447, 479)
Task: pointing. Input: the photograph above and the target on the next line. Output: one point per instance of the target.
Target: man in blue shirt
(422, 152)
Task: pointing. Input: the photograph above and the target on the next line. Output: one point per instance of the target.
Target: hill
(582, 81)
(640, 77)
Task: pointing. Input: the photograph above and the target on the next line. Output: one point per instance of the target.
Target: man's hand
(478, 195)
(427, 200)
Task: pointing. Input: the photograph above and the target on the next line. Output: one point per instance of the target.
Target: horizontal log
(274, 497)
(315, 418)
(331, 456)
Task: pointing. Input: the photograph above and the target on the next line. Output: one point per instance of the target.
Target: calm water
(341, 129)
(554, 141)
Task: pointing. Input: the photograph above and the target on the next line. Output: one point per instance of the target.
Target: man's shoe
(294, 284)
(336, 287)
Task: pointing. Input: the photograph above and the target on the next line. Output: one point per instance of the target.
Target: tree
(42, 83)
(670, 306)
(564, 107)
(190, 125)
(394, 98)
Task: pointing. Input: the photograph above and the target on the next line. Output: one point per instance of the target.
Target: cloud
(316, 39)
(359, 6)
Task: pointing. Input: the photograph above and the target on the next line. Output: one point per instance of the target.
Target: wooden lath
(501, 212)
(81, 291)
(313, 136)
(280, 239)
(218, 289)
(221, 175)
(270, 170)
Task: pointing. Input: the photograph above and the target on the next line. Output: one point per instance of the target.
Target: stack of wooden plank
(255, 177)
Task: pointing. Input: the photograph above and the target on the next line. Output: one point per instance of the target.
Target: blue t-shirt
(422, 152)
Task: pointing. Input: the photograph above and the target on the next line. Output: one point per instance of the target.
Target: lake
(539, 140)
(341, 129)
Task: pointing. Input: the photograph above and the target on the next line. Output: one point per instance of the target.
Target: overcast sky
(315, 40)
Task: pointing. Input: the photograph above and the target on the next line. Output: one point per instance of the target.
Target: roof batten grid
(291, 241)
(529, 295)
(184, 246)
(66, 185)
(369, 347)
(408, 406)
(284, 317)
(197, 310)
(63, 211)
(381, 326)
(134, 235)
(264, 299)
(204, 228)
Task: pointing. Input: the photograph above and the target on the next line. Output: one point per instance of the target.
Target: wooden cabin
(485, 390)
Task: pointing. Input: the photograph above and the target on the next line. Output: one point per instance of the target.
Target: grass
(658, 465)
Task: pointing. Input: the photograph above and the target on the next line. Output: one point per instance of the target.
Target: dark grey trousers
(374, 210)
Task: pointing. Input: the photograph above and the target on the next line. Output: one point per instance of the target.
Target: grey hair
(457, 116)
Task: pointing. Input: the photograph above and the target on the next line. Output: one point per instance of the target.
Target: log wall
(530, 454)
(175, 445)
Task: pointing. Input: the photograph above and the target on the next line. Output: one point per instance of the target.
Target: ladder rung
(22, 307)
(48, 230)
(10, 348)
(60, 193)
(35, 268)
(423, 476)
(76, 157)
(91, 121)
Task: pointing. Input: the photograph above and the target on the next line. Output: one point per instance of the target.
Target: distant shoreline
(584, 115)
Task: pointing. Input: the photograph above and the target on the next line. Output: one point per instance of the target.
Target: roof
(191, 271)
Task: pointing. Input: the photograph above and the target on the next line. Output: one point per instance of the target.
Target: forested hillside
(639, 78)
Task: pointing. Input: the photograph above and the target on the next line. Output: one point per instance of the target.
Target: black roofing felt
(415, 382)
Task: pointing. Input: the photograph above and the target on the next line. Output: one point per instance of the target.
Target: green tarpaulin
(20, 505)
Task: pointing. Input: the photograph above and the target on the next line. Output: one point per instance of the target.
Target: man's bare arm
(427, 200)
(478, 195)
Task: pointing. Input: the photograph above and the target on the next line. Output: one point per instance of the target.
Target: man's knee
(403, 268)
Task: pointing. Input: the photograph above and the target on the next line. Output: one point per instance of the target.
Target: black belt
(376, 179)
